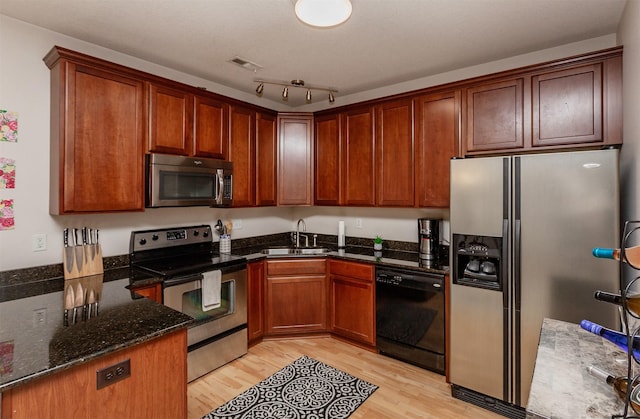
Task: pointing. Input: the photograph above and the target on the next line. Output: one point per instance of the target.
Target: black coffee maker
(428, 238)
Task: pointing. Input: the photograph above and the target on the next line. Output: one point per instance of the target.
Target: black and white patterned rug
(304, 389)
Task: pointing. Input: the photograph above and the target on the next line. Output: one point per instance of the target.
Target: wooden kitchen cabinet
(266, 151)
(328, 162)
(294, 160)
(170, 120)
(157, 386)
(495, 113)
(152, 292)
(352, 301)
(255, 301)
(242, 154)
(210, 127)
(97, 135)
(359, 161)
(437, 132)
(295, 296)
(394, 154)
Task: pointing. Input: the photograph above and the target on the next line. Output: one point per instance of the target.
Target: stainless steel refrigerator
(522, 232)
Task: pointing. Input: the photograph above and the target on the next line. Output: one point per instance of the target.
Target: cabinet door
(211, 128)
(242, 154)
(328, 160)
(266, 159)
(295, 296)
(437, 139)
(170, 120)
(567, 106)
(394, 151)
(255, 300)
(294, 163)
(359, 159)
(97, 159)
(352, 301)
(495, 116)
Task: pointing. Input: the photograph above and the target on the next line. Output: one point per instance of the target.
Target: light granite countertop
(561, 386)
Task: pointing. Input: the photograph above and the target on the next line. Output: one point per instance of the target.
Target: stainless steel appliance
(182, 257)
(428, 238)
(410, 311)
(179, 181)
(522, 232)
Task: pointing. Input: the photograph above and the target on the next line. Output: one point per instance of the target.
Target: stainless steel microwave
(178, 181)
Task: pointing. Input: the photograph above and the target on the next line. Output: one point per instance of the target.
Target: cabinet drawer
(296, 267)
(351, 269)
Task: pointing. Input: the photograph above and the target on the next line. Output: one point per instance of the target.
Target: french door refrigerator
(532, 220)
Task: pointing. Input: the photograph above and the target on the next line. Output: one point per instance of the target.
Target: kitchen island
(561, 386)
(50, 365)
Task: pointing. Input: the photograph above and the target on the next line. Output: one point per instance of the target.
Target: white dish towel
(211, 287)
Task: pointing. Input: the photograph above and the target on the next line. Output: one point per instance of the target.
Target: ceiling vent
(246, 64)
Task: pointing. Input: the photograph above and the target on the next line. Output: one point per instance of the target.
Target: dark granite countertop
(35, 342)
(561, 386)
(384, 258)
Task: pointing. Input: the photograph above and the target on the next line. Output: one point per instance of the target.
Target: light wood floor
(405, 391)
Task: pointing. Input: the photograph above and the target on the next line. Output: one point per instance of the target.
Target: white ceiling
(383, 43)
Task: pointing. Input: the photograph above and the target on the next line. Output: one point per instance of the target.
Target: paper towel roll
(341, 234)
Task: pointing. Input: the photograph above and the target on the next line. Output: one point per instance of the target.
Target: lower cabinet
(352, 301)
(255, 301)
(152, 292)
(295, 296)
(156, 388)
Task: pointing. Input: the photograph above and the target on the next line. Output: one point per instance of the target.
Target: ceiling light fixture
(323, 13)
(295, 83)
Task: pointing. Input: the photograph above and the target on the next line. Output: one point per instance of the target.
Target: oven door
(185, 295)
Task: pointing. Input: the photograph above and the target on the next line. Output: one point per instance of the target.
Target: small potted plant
(377, 243)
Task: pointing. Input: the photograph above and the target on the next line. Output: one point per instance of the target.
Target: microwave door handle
(220, 179)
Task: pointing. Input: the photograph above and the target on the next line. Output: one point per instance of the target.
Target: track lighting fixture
(295, 83)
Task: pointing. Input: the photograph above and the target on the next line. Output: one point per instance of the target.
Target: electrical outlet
(237, 224)
(358, 222)
(39, 242)
(39, 317)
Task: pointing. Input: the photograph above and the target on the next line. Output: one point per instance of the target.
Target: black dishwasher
(410, 311)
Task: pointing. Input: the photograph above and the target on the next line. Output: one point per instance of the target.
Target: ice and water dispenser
(477, 261)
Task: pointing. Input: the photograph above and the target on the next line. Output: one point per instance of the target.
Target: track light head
(260, 88)
(332, 98)
(285, 93)
(308, 97)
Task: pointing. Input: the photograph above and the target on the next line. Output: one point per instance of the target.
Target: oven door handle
(182, 280)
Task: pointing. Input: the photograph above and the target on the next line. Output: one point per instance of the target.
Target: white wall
(629, 37)
(24, 88)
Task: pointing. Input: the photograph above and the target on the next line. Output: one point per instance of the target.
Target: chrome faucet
(304, 228)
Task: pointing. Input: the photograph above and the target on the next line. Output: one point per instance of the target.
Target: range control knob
(205, 234)
(154, 237)
(143, 242)
(196, 233)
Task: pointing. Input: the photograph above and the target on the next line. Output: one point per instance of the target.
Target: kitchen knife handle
(65, 237)
(84, 235)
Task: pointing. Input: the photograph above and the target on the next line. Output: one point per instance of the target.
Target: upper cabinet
(186, 124)
(571, 103)
(210, 127)
(394, 153)
(327, 160)
(359, 180)
(437, 132)
(295, 156)
(494, 115)
(170, 120)
(266, 159)
(242, 154)
(97, 136)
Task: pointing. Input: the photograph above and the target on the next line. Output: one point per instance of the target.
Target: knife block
(82, 260)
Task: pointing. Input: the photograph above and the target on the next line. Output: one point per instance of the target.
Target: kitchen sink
(291, 251)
